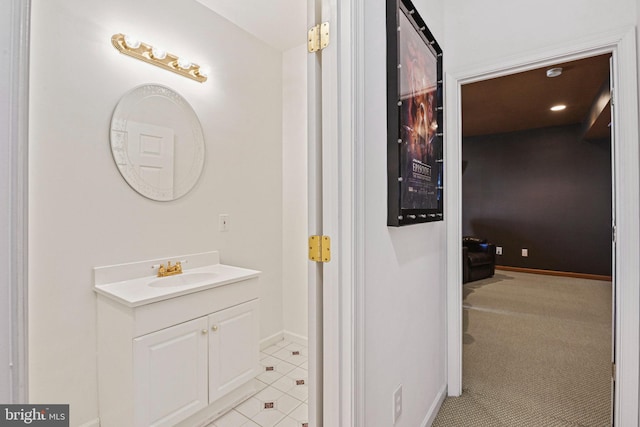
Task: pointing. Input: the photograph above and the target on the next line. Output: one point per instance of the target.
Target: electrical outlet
(223, 222)
(525, 252)
(498, 250)
(397, 403)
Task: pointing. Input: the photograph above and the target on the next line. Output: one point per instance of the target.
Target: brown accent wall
(546, 190)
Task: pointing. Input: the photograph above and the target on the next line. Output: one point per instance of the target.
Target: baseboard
(221, 406)
(295, 338)
(92, 423)
(283, 335)
(555, 273)
(271, 340)
(435, 407)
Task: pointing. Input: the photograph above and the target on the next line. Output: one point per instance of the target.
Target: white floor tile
(259, 385)
(301, 413)
(286, 404)
(269, 394)
(269, 360)
(250, 407)
(284, 384)
(231, 419)
(270, 377)
(290, 407)
(284, 367)
(282, 353)
(272, 349)
(300, 392)
(294, 347)
(288, 422)
(268, 418)
(299, 374)
(297, 360)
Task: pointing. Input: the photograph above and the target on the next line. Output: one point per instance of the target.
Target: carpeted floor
(537, 352)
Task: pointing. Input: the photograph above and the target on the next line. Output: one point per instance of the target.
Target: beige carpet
(537, 352)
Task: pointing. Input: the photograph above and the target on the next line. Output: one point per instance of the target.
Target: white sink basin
(183, 279)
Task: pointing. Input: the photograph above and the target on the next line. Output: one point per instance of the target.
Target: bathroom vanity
(172, 347)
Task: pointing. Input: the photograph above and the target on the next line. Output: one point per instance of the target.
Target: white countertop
(136, 292)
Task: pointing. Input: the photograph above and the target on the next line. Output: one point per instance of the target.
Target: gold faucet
(169, 270)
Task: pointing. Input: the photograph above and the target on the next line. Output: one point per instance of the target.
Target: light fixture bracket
(169, 62)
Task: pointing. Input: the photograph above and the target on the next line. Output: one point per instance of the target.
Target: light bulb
(558, 107)
(158, 53)
(131, 42)
(184, 63)
(204, 70)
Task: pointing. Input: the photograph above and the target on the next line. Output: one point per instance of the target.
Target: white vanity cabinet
(233, 348)
(167, 358)
(170, 374)
(181, 369)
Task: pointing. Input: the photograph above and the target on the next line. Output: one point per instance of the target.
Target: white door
(613, 247)
(170, 374)
(314, 95)
(324, 215)
(6, 338)
(234, 338)
(14, 82)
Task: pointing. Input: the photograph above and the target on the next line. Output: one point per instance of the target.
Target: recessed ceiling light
(558, 107)
(554, 72)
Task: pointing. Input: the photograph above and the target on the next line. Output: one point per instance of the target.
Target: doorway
(625, 271)
(343, 360)
(538, 181)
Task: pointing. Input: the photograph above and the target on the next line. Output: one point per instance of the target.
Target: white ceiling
(279, 23)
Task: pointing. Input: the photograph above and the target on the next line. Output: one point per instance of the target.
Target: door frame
(14, 190)
(336, 289)
(626, 210)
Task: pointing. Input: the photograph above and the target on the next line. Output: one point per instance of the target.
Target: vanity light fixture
(154, 55)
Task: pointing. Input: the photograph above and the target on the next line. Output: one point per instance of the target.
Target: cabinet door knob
(214, 328)
(204, 332)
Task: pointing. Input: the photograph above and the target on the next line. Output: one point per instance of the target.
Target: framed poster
(414, 118)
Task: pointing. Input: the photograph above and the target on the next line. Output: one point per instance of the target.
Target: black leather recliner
(478, 259)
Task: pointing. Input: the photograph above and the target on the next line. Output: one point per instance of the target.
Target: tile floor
(283, 398)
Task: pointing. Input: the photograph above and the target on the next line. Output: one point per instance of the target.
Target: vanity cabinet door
(170, 373)
(233, 348)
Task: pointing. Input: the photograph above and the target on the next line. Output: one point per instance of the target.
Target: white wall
(83, 214)
(405, 324)
(294, 191)
(483, 32)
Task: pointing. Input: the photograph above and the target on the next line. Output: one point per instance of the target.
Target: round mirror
(157, 142)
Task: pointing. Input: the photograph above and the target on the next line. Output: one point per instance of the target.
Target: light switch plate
(223, 222)
(525, 252)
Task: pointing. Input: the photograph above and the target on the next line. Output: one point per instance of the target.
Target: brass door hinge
(318, 37)
(320, 248)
